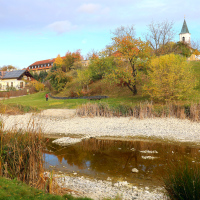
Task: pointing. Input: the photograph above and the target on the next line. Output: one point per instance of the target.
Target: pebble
(134, 170)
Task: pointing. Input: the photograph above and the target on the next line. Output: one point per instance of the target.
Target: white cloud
(89, 8)
(61, 26)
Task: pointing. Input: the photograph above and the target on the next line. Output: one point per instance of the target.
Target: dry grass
(15, 109)
(21, 158)
(142, 110)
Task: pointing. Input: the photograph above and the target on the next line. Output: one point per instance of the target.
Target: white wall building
(185, 36)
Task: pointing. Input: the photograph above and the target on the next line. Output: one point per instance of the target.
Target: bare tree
(123, 31)
(7, 68)
(159, 34)
(195, 44)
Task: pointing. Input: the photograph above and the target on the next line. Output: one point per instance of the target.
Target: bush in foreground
(183, 182)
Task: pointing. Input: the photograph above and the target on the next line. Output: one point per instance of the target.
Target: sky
(34, 30)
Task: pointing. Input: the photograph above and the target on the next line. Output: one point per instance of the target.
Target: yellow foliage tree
(169, 78)
(58, 61)
(37, 85)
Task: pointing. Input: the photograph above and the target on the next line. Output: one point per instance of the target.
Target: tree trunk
(132, 88)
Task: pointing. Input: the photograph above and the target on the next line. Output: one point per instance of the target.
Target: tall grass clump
(183, 182)
(142, 110)
(21, 156)
(16, 109)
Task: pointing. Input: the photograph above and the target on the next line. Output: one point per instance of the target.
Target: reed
(21, 156)
(15, 109)
(141, 111)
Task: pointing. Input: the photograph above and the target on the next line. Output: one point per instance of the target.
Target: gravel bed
(163, 128)
(98, 189)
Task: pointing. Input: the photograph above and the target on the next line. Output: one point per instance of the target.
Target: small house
(17, 79)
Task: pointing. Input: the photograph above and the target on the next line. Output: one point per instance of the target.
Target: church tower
(184, 36)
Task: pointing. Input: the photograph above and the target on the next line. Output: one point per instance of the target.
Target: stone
(134, 170)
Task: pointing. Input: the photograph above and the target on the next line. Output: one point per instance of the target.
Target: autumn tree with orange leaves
(70, 59)
(131, 51)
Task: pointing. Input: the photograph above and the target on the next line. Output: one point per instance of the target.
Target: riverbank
(64, 122)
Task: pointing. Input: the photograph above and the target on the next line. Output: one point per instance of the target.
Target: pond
(110, 159)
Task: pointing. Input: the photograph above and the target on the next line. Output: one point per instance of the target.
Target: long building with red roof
(43, 65)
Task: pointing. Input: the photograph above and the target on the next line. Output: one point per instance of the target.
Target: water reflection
(116, 159)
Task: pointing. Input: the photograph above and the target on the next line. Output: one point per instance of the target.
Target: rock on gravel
(66, 141)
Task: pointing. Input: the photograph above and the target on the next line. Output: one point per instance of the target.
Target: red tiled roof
(45, 61)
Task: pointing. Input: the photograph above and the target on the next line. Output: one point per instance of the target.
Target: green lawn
(38, 100)
(15, 190)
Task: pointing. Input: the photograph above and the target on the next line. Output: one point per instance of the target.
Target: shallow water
(103, 158)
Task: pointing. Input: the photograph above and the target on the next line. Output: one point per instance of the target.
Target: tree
(42, 76)
(58, 78)
(183, 49)
(99, 66)
(129, 50)
(7, 68)
(123, 31)
(169, 78)
(70, 59)
(159, 34)
(58, 61)
(84, 77)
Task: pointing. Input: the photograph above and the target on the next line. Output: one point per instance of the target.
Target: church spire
(184, 28)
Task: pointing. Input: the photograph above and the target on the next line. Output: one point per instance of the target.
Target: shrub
(183, 182)
(170, 78)
(37, 85)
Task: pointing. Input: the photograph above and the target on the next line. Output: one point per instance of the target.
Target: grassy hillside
(117, 95)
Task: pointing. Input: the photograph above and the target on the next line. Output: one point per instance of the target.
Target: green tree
(169, 78)
(42, 76)
(183, 48)
(84, 77)
(58, 78)
(99, 66)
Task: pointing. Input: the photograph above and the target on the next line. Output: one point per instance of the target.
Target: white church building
(185, 37)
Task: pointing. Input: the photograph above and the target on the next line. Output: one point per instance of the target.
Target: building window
(41, 65)
(48, 65)
(21, 84)
(183, 39)
(11, 84)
